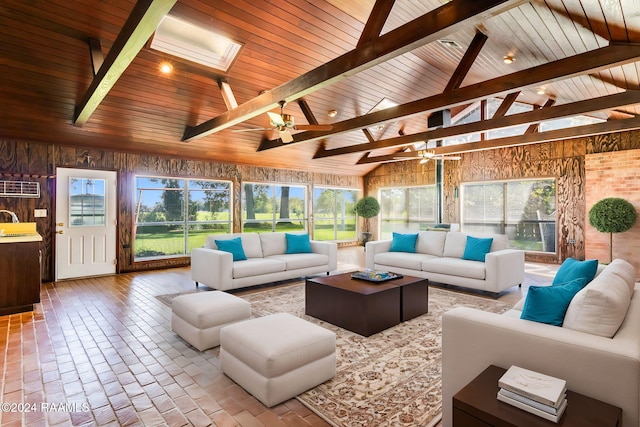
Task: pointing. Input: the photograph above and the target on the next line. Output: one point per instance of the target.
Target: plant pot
(366, 236)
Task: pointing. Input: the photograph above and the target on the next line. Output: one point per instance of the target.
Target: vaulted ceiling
(83, 74)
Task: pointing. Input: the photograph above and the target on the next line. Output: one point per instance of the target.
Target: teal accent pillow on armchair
(404, 242)
(549, 304)
(573, 269)
(234, 246)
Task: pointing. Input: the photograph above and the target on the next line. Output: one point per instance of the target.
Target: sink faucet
(14, 217)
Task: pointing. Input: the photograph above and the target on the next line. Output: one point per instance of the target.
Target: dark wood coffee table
(365, 307)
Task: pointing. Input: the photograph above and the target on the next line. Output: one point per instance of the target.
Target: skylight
(187, 41)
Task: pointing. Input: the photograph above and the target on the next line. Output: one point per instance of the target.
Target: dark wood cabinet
(19, 276)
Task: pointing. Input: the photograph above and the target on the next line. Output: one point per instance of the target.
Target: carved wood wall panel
(38, 162)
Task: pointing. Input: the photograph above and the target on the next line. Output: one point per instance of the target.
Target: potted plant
(612, 215)
(367, 207)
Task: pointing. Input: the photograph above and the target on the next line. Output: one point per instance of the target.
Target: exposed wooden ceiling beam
(227, 94)
(506, 103)
(376, 21)
(467, 61)
(527, 139)
(142, 22)
(97, 58)
(306, 110)
(587, 62)
(423, 30)
(564, 110)
(535, 127)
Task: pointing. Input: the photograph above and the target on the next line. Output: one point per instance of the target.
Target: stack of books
(533, 392)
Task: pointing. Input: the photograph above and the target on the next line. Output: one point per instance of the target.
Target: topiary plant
(612, 215)
(367, 207)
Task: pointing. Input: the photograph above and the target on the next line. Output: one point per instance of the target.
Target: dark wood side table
(476, 405)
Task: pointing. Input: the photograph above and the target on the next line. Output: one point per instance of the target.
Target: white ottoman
(197, 318)
(278, 356)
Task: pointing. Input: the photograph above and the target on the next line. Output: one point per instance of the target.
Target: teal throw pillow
(573, 269)
(298, 243)
(477, 248)
(548, 304)
(234, 246)
(404, 242)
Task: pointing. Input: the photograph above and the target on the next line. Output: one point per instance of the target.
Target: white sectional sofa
(438, 257)
(580, 351)
(267, 261)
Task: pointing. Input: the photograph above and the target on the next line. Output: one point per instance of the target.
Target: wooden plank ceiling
(331, 54)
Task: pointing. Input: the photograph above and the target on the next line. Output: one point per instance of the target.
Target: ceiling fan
(284, 124)
(424, 156)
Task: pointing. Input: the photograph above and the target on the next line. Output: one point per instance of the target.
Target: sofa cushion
(573, 269)
(431, 242)
(455, 267)
(401, 260)
(250, 243)
(298, 243)
(234, 246)
(602, 305)
(256, 266)
(273, 244)
(454, 244)
(298, 261)
(477, 248)
(404, 242)
(548, 304)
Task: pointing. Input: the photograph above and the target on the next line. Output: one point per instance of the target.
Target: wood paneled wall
(563, 160)
(32, 161)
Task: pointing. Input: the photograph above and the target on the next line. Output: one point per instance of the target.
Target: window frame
(420, 221)
(185, 222)
(314, 216)
(274, 219)
(506, 223)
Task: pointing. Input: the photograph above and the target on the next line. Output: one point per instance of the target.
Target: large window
(273, 207)
(523, 210)
(173, 215)
(406, 209)
(333, 215)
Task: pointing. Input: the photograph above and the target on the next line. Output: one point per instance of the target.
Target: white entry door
(85, 223)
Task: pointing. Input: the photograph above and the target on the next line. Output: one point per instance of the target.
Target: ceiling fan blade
(276, 119)
(313, 127)
(285, 136)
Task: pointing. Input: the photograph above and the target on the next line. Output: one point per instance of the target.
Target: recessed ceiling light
(509, 59)
(541, 90)
(332, 113)
(166, 68)
(449, 43)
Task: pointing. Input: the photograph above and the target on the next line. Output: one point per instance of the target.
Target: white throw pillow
(431, 242)
(600, 307)
(454, 244)
(273, 243)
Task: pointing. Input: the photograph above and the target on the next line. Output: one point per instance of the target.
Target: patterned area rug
(392, 378)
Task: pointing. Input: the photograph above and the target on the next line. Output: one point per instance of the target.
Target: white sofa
(267, 261)
(438, 258)
(601, 367)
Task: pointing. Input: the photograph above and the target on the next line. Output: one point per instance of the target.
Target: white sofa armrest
(602, 368)
(327, 248)
(504, 269)
(373, 248)
(212, 267)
